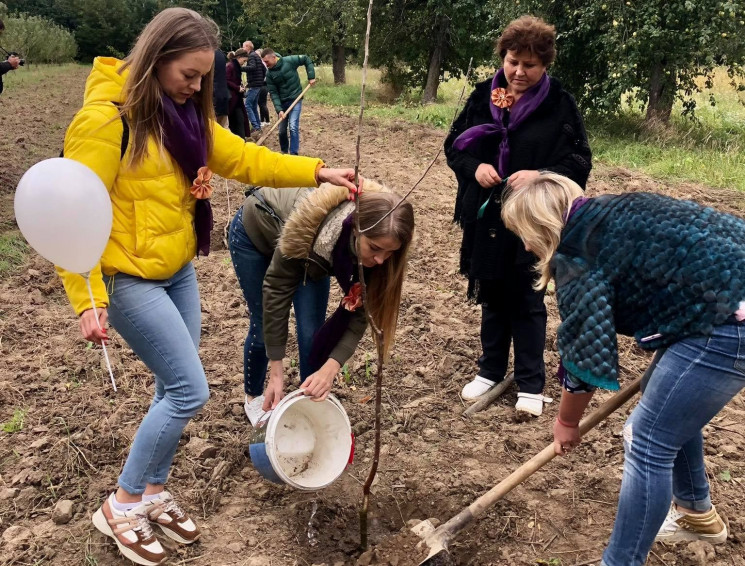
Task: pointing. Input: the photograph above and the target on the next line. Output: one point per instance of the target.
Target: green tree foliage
(327, 30)
(654, 52)
(418, 41)
(37, 39)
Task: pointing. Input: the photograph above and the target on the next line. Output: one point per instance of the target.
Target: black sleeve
(575, 161)
(462, 163)
(5, 67)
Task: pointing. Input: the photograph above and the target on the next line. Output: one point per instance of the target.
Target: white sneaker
(531, 403)
(253, 409)
(265, 124)
(679, 526)
(172, 519)
(131, 531)
(476, 388)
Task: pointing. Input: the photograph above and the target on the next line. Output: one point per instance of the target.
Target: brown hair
(536, 213)
(386, 280)
(241, 52)
(267, 51)
(169, 35)
(529, 34)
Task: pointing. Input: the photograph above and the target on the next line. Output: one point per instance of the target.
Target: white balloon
(64, 211)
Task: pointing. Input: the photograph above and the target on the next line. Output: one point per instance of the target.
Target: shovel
(439, 539)
(262, 139)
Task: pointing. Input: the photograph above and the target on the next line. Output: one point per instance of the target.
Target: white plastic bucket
(303, 443)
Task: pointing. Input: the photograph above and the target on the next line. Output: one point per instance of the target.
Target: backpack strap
(125, 135)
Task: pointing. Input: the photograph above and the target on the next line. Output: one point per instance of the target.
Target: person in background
(283, 84)
(145, 284)
(220, 93)
(255, 77)
(237, 116)
(263, 95)
(11, 64)
(285, 245)
(671, 274)
(513, 125)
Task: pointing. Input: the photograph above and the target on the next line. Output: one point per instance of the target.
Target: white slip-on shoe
(253, 409)
(531, 403)
(476, 388)
(679, 526)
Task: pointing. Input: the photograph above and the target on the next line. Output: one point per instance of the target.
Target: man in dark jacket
(283, 83)
(255, 72)
(220, 94)
(10, 65)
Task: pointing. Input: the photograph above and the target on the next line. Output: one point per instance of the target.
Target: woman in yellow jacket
(145, 284)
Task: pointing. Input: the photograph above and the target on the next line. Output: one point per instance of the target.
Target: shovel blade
(439, 558)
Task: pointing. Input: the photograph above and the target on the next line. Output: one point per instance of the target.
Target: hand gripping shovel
(440, 538)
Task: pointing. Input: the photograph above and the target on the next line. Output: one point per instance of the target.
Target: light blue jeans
(293, 122)
(663, 442)
(252, 107)
(161, 322)
(310, 301)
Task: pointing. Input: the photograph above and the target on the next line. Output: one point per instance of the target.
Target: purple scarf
(185, 140)
(519, 111)
(345, 270)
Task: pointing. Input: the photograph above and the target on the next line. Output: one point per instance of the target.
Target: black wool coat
(552, 138)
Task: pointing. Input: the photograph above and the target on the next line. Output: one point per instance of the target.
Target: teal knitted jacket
(646, 266)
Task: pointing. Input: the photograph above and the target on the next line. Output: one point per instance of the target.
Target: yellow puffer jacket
(153, 235)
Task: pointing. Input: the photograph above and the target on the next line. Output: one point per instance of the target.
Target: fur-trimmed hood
(305, 221)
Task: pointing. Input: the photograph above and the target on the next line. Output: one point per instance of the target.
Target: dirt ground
(76, 430)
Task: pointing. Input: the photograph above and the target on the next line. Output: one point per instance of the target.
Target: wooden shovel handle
(262, 139)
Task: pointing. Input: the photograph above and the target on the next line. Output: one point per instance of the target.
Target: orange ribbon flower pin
(201, 189)
(353, 300)
(501, 98)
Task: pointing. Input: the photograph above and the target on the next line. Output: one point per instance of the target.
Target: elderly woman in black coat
(514, 125)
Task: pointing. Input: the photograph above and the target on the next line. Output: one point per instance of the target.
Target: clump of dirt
(68, 433)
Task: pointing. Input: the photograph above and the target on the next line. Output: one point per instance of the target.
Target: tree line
(651, 53)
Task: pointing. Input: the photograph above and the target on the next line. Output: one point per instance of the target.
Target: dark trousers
(516, 314)
(263, 108)
(236, 121)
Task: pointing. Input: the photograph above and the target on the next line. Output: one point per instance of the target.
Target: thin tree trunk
(662, 89)
(339, 61)
(436, 58)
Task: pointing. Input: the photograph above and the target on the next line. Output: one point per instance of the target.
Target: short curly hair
(531, 34)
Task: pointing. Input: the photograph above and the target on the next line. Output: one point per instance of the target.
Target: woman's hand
(519, 179)
(89, 326)
(487, 176)
(275, 388)
(565, 438)
(339, 177)
(318, 385)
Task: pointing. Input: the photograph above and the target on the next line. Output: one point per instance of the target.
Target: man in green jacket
(283, 84)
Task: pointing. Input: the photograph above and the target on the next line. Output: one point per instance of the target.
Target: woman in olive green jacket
(285, 245)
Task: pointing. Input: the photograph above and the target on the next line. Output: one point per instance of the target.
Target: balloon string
(103, 343)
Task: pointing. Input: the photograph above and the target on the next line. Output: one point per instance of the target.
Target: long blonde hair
(169, 35)
(386, 280)
(537, 214)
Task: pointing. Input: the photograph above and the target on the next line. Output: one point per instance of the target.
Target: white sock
(148, 498)
(123, 507)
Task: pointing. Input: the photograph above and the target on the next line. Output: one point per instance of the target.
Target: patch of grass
(34, 74)
(15, 424)
(13, 252)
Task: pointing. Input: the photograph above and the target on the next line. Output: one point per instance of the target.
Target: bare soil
(76, 431)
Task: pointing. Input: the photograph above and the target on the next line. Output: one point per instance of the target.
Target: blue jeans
(310, 302)
(252, 107)
(663, 442)
(161, 322)
(293, 122)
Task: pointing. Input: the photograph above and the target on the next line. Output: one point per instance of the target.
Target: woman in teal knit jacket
(672, 275)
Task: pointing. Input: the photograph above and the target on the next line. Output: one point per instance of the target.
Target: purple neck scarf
(185, 140)
(345, 270)
(520, 110)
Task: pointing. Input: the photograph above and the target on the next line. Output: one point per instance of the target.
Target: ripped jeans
(664, 456)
